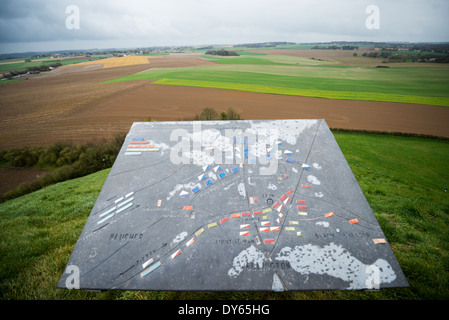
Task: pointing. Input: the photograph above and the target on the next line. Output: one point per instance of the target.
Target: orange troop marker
(352, 221)
(329, 214)
(141, 146)
(190, 242)
(188, 207)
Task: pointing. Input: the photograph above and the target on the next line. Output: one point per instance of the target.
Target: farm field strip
(22, 65)
(118, 61)
(265, 59)
(326, 71)
(345, 95)
(421, 85)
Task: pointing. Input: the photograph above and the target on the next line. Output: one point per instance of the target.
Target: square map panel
(232, 205)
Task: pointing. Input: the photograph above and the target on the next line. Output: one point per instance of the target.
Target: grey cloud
(172, 22)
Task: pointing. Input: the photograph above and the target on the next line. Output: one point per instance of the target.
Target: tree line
(391, 56)
(333, 47)
(31, 70)
(222, 52)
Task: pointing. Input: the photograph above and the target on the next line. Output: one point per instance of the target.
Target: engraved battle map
(229, 206)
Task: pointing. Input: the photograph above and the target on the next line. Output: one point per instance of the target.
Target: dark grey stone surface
(280, 209)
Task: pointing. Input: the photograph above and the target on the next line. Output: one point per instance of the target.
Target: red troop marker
(289, 192)
(300, 201)
(302, 207)
(224, 220)
(177, 253)
(268, 241)
(305, 186)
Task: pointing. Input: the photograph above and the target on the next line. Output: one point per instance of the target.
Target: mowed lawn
(288, 75)
(403, 179)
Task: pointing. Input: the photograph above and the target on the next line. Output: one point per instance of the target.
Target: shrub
(208, 114)
(211, 114)
(232, 114)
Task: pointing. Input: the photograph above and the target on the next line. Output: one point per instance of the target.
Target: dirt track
(67, 106)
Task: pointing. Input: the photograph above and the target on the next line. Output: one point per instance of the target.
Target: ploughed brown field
(68, 105)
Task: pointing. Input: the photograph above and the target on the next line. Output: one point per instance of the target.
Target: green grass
(368, 96)
(287, 75)
(248, 58)
(403, 179)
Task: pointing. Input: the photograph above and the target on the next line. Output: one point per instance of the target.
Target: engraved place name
(125, 236)
(267, 265)
(346, 235)
(150, 254)
(176, 215)
(235, 241)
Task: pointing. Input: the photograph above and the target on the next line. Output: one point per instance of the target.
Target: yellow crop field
(118, 61)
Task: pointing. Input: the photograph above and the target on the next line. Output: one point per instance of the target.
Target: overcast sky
(30, 25)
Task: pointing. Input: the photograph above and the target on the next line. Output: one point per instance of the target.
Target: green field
(404, 180)
(288, 75)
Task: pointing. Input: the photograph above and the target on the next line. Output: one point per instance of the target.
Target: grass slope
(287, 75)
(403, 179)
